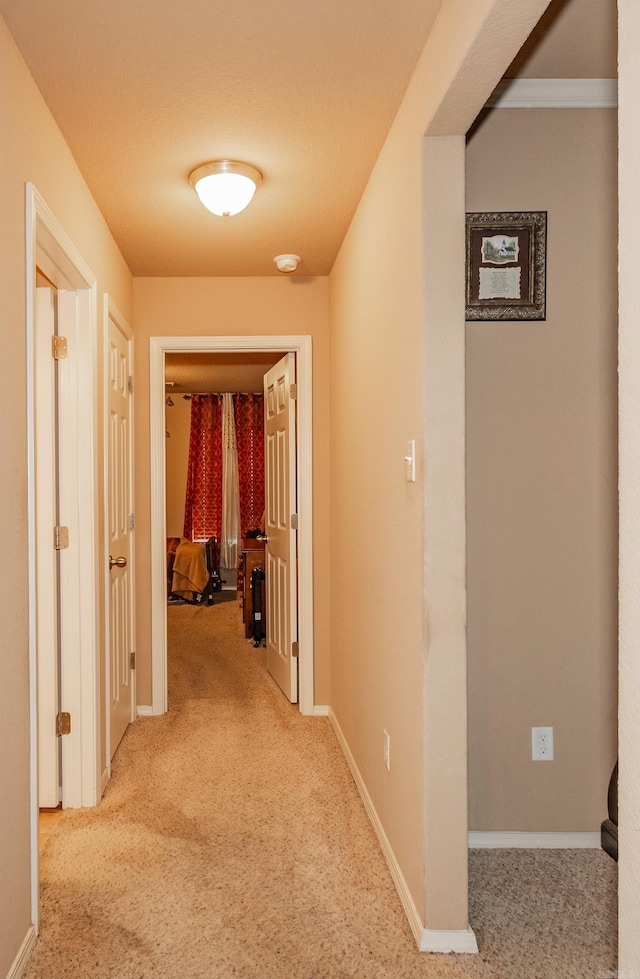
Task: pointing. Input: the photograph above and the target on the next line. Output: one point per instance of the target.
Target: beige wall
(32, 150)
(234, 307)
(178, 424)
(397, 373)
(629, 421)
(541, 485)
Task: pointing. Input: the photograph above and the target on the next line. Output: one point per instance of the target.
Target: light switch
(410, 461)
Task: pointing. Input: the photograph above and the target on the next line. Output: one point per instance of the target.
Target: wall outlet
(542, 743)
(387, 751)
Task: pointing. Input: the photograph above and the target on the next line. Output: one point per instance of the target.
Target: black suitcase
(258, 615)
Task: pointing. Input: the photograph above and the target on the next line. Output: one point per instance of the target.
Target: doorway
(221, 496)
(301, 347)
(542, 488)
(50, 251)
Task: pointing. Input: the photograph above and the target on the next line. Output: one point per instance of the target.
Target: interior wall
(33, 150)
(541, 485)
(392, 637)
(178, 425)
(629, 424)
(234, 307)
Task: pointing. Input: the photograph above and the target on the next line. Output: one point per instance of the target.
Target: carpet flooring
(231, 842)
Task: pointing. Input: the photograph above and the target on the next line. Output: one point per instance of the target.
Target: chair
(210, 564)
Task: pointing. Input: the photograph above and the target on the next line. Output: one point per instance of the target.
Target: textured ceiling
(146, 90)
(203, 373)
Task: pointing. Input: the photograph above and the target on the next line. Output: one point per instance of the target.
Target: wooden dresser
(253, 556)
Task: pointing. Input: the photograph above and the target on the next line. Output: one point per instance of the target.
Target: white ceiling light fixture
(287, 263)
(225, 187)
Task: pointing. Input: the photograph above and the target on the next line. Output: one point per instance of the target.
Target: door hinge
(58, 348)
(60, 538)
(295, 649)
(294, 521)
(132, 661)
(293, 391)
(63, 723)
(132, 521)
(130, 384)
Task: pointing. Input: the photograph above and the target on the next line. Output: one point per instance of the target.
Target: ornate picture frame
(506, 254)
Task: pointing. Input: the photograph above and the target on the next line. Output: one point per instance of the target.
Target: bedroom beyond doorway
(299, 351)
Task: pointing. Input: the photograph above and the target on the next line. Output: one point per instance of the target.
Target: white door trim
(111, 311)
(44, 444)
(49, 247)
(301, 346)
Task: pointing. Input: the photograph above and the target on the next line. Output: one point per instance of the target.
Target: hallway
(231, 842)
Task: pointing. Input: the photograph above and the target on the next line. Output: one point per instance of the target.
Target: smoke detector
(287, 263)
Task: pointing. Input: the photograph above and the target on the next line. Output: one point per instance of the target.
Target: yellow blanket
(190, 572)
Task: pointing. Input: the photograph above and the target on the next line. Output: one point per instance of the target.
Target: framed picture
(506, 265)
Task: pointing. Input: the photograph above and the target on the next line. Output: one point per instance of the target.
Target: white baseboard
(22, 957)
(555, 93)
(534, 841)
(448, 941)
(427, 940)
(143, 710)
(321, 710)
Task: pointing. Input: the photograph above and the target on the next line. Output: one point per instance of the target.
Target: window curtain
(249, 418)
(225, 477)
(230, 487)
(203, 503)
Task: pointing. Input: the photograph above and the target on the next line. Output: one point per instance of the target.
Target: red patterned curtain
(203, 504)
(249, 416)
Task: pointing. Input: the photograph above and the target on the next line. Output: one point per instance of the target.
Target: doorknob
(118, 562)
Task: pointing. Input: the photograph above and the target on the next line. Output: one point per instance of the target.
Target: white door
(119, 539)
(281, 547)
(47, 575)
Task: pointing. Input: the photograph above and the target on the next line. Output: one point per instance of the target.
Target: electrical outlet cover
(542, 743)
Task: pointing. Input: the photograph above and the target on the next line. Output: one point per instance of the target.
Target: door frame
(301, 347)
(111, 311)
(49, 248)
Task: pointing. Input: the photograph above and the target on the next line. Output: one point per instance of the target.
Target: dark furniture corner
(212, 553)
(252, 557)
(609, 828)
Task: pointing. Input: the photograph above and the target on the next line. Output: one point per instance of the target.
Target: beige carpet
(231, 842)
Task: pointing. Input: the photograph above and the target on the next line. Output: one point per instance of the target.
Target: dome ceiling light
(225, 187)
